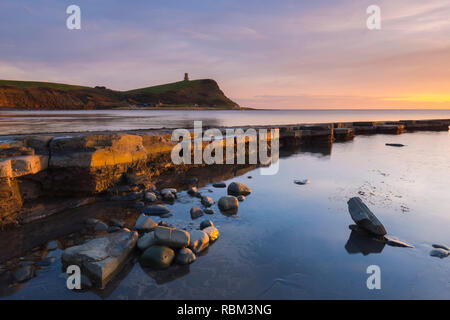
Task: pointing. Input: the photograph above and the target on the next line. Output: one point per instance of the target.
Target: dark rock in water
(395, 145)
(196, 213)
(185, 256)
(237, 189)
(441, 246)
(102, 257)
(150, 197)
(249, 177)
(168, 196)
(219, 185)
(156, 256)
(209, 211)
(156, 210)
(192, 191)
(147, 240)
(228, 204)
(205, 224)
(24, 273)
(364, 218)
(46, 262)
(100, 227)
(145, 223)
(207, 201)
(116, 223)
(439, 253)
(112, 229)
(241, 198)
(166, 215)
(302, 182)
(198, 195)
(199, 241)
(396, 243)
(92, 222)
(162, 223)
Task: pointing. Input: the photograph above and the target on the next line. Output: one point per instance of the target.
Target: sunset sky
(264, 54)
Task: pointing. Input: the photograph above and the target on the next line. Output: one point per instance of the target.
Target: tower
(186, 77)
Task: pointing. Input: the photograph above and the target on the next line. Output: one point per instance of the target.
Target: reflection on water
(293, 242)
(17, 122)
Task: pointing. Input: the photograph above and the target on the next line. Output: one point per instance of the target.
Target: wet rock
(146, 241)
(219, 185)
(46, 262)
(396, 243)
(101, 258)
(241, 198)
(100, 227)
(157, 256)
(150, 197)
(185, 256)
(209, 211)
(52, 245)
(166, 215)
(192, 191)
(441, 246)
(249, 177)
(364, 218)
(206, 223)
(228, 204)
(156, 210)
(91, 222)
(207, 201)
(439, 253)
(171, 237)
(399, 145)
(302, 182)
(169, 194)
(237, 189)
(24, 273)
(165, 224)
(144, 223)
(112, 229)
(196, 213)
(199, 241)
(212, 233)
(116, 223)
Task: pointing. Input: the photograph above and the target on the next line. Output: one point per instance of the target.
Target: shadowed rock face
(364, 218)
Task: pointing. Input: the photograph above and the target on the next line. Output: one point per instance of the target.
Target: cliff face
(47, 96)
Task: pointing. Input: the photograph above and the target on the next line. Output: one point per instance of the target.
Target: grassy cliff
(30, 95)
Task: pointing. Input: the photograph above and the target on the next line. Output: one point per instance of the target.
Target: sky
(289, 54)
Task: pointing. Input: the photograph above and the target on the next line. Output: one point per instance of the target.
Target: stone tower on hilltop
(186, 77)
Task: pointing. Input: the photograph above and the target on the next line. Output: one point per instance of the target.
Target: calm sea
(19, 122)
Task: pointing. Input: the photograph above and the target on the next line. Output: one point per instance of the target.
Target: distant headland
(185, 94)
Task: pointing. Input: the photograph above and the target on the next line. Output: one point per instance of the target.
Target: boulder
(439, 253)
(192, 191)
(171, 237)
(145, 223)
(185, 256)
(150, 196)
(159, 257)
(209, 211)
(205, 224)
(364, 218)
(169, 194)
(212, 233)
(199, 241)
(228, 204)
(207, 201)
(237, 189)
(101, 258)
(196, 213)
(146, 241)
(156, 210)
(24, 273)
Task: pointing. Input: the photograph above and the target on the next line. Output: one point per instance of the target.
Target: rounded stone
(159, 257)
(185, 256)
(237, 189)
(228, 204)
